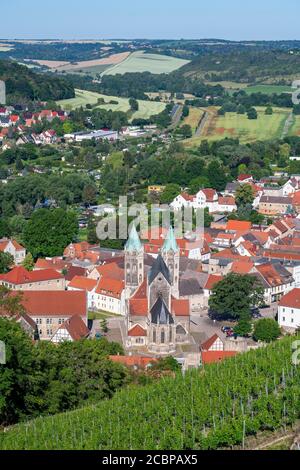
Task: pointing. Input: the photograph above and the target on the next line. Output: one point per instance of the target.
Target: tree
(4, 228)
(269, 111)
(241, 109)
(233, 296)
(6, 262)
(170, 192)
(11, 303)
(216, 175)
(208, 218)
(243, 328)
(266, 330)
(166, 363)
(48, 232)
(91, 233)
(28, 262)
(104, 325)
(134, 104)
(244, 195)
(252, 113)
(16, 374)
(198, 183)
(89, 194)
(185, 131)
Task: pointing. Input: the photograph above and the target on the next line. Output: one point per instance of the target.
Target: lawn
(193, 118)
(295, 128)
(268, 89)
(139, 61)
(84, 97)
(116, 160)
(101, 315)
(236, 125)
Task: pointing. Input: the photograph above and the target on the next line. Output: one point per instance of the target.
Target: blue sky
(87, 19)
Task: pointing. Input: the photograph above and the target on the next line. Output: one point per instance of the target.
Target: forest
(22, 84)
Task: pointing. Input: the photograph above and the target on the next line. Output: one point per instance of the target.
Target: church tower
(170, 253)
(134, 262)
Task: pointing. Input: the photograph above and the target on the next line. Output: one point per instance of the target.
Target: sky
(151, 19)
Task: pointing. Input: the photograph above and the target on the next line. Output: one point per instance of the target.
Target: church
(157, 320)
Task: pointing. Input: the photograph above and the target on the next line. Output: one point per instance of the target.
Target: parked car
(225, 328)
(230, 333)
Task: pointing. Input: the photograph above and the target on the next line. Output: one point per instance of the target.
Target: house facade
(289, 310)
(12, 247)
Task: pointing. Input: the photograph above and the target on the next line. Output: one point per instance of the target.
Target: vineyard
(216, 407)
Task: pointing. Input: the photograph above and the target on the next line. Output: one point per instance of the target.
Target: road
(201, 124)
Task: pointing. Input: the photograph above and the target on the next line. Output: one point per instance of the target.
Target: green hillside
(256, 391)
(24, 84)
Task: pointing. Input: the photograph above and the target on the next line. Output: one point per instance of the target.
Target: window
(49, 321)
(162, 337)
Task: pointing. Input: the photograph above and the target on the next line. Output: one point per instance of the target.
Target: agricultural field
(83, 97)
(193, 118)
(295, 128)
(268, 89)
(86, 66)
(141, 62)
(219, 407)
(239, 126)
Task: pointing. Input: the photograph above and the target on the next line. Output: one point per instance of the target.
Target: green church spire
(170, 242)
(133, 242)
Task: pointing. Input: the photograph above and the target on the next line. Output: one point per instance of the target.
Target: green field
(295, 128)
(268, 89)
(141, 62)
(83, 97)
(234, 125)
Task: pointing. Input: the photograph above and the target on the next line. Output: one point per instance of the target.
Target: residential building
(289, 310)
(17, 251)
(44, 280)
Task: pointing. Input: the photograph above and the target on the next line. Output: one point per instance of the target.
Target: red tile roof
(55, 303)
(212, 280)
(133, 361)
(138, 307)
(238, 225)
(137, 330)
(20, 275)
(244, 177)
(4, 243)
(291, 299)
(269, 273)
(241, 267)
(227, 201)
(51, 263)
(76, 328)
(111, 270)
(208, 357)
(209, 342)
(210, 194)
(187, 197)
(180, 307)
(110, 287)
(83, 283)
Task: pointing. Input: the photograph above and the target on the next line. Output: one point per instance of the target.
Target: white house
(82, 283)
(182, 200)
(289, 310)
(12, 247)
(207, 198)
(110, 296)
